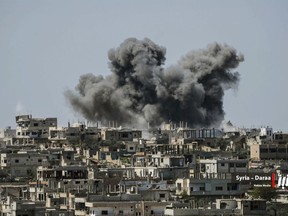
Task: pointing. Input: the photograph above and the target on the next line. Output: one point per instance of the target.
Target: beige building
(28, 127)
(224, 165)
(120, 134)
(57, 134)
(220, 185)
(81, 133)
(22, 163)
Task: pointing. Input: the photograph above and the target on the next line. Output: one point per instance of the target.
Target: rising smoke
(141, 91)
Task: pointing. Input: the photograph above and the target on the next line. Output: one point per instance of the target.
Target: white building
(57, 134)
(210, 186)
(224, 165)
(266, 133)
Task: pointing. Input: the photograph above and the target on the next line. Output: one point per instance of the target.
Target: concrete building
(266, 133)
(159, 160)
(108, 154)
(280, 138)
(224, 165)
(80, 133)
(57, 134)
(22, 163)
(16, 207)
(8, 132)
(198, 133)
(213, 177)
(37, 190)
(269, 152)
(28, 127)
(14, 189)
(235, 207)
(120, 134)
(7, 136)
(138, 145)
(125, 204)
(60, 173)
(212, 185)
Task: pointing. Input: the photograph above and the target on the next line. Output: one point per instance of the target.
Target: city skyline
(46, 46)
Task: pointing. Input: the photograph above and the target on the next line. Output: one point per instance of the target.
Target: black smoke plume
(141, 91)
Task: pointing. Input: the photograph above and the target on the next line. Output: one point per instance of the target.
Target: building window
(240, 165)
(273, 150)
(262, 150)
(219, 188)
(222, 164)
(254, 206)
(202, 188)
(104, 212)
(202, 167)
(162, 195)
(280, 150)
(16, 161)
(39, 160)
(234, 187)
(223, 205)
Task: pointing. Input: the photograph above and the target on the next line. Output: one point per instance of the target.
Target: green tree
(184, 194)
(266, 193)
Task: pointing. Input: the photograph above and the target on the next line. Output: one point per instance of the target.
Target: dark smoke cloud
(140, 90)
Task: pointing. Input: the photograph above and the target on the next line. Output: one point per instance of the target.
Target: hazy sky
(46, 45)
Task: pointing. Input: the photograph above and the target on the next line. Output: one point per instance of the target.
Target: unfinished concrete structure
(28, 127)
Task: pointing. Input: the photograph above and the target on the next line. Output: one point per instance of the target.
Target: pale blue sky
(46, 45)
